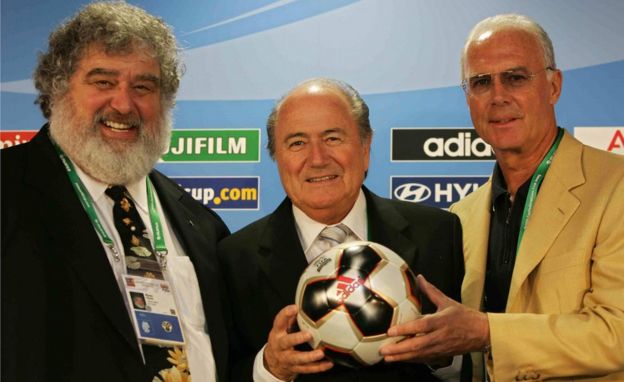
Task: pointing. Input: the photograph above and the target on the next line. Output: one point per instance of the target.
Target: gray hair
(120, 28)
(511, 21)
(359, 108)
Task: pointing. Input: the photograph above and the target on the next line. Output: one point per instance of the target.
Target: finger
(305, 362)
(295, 362)
(436, 296)
(313, 368)
(284, 318)
(302, 358)
(403, 357)
(410, 328)
(414, 349)
(293, 339)
(408, 344)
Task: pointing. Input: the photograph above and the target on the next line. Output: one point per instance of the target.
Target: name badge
(154, 312)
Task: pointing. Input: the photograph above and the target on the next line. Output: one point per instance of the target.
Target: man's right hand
(280, 356)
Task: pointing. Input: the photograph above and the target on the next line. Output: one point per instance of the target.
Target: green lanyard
(87, 204)
(536, 181)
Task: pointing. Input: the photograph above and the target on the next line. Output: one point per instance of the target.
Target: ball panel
(342, 358)
(368, 349)
(361, 257)
(314, 301)
(307, 325)
(374, 317)
(387, 254)
(338, 330)
(322, 267)
(388, 282)
(407, 311)
(413, 291)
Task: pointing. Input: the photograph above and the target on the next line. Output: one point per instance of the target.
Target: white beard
(113, 163)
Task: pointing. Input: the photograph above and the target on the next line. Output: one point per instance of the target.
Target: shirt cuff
(260, 373)
(451, 373)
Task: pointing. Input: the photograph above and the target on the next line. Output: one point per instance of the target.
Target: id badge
(154, 313)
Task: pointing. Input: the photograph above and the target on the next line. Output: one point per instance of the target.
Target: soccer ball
(350, 295)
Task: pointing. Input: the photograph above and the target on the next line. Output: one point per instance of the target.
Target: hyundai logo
(412, 192)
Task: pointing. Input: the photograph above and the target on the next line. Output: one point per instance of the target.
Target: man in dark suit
(320, 136)
(107, 86)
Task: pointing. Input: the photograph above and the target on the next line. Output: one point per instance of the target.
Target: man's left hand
(453, 329)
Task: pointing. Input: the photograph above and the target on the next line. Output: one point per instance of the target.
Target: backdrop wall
(402, 55)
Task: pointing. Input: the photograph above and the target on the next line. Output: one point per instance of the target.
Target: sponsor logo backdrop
(402, 55)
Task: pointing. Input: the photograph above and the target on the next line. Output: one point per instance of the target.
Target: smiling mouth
(322, 178)
(503, 120)
(117, 126)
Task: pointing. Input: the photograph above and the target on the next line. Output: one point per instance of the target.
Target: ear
(367, 148)
(556, 83)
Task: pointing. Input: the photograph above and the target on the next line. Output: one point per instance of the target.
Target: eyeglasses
(513, 79)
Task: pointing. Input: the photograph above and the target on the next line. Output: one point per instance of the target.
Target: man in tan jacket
(543, 238)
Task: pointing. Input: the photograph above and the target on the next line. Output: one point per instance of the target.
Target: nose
(122, 100)
(499, 91)
(318, 153)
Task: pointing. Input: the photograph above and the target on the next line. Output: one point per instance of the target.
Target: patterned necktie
(163, 362)
(139, 253)
(332, 236)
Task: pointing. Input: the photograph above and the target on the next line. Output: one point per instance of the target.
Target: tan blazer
(565, 310)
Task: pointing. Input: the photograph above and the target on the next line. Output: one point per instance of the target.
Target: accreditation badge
(154, 312)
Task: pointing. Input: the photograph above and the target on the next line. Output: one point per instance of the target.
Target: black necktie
(139, 253)
(141, 260)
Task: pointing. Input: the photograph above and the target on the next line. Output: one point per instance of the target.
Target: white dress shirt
(179, 272)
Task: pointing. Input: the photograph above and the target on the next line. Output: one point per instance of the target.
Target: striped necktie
(334, 235)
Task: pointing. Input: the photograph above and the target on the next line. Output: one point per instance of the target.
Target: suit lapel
(183, 222)
(475, 218)
(554, 207)
(386, 226)
(280, 254)
(74, 236)
(200, 247)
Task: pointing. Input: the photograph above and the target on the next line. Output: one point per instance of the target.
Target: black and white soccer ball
(350, 295)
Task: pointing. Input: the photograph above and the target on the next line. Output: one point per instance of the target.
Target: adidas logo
(346, 286)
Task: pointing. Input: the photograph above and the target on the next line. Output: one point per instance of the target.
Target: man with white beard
(87, 223)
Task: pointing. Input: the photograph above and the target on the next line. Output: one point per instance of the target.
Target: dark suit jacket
(263, 261)
(63, 315)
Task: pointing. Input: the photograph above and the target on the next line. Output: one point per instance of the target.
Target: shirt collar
(308, 229)
(499, 186)
(137, 190)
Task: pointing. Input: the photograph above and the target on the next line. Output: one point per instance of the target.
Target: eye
(144, 88)
(480, 83)
(103, 84)
(296, 145)
(333, 140)
(515, 79)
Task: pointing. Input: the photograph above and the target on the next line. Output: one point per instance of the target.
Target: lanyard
(536, 181)
(87, 204)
